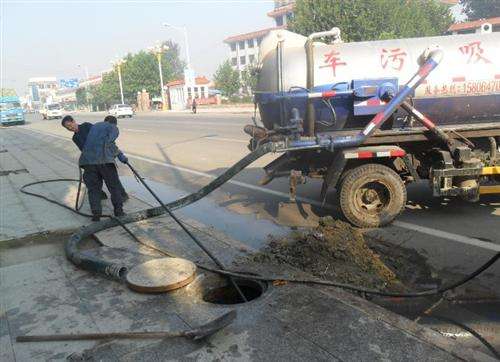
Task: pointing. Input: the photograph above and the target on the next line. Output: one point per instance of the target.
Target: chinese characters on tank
(392, 58)
(333, 61)
(474, 53)
(463, 88)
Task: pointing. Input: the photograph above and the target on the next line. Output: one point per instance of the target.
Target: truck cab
(11, 111)
(53, 110)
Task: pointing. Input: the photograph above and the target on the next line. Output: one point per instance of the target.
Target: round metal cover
(161, 275)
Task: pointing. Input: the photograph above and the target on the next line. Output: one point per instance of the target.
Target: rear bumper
(12, 122)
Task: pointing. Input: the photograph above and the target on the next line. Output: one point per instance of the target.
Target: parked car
(121, 110)
(52, 110)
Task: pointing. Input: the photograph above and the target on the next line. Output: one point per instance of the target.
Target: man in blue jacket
(97, 160)
(80, 133)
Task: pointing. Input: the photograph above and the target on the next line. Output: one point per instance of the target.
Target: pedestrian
(81, 132)
(194, 105)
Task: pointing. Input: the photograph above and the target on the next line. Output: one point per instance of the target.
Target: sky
(51, 38)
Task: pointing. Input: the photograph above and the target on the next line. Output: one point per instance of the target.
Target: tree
(81, 97)
(227, 79)
(479, 9)
(140, 71)
(361, 20)
(250, 76)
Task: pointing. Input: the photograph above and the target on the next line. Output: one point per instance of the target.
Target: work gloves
(122, 158)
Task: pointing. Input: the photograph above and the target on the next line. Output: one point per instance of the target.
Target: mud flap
(333, 174)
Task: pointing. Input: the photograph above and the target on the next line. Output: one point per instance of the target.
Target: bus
(11, 111)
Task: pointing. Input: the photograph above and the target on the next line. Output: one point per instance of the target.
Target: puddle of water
(245, 228)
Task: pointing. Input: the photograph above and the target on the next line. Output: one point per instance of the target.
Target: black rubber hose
(89, 262)
(470, 330)
(424, 293)
(92, 263)
(189, 233)
(79, 205)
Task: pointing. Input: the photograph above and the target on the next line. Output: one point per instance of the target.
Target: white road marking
(226, 139)
(198, 123)
(405, 225)
(135, 130)
(449, 236)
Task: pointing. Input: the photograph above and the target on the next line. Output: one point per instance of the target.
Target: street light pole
(89, 103)
(158, 50)
(118, 63)
(184, 30)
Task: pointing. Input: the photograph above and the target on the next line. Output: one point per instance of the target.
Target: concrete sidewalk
(287, 322)
(22, 162)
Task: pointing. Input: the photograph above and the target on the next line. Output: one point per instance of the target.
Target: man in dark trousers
(81, 132)
(97, 160)
(194, 105)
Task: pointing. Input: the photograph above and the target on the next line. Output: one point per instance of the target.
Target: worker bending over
(98, 163)
(80, 133)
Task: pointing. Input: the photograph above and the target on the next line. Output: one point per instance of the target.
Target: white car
(121, 110)
(52, 110)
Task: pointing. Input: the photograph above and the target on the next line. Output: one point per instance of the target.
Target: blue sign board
(34, 93)
(68, 83)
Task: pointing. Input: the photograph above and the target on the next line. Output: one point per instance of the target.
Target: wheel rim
(372, 197)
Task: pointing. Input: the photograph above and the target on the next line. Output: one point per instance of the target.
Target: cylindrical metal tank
(464, 88)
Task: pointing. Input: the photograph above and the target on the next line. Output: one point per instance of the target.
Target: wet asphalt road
(181, 151)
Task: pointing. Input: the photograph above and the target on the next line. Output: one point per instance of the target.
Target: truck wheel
(372, 195)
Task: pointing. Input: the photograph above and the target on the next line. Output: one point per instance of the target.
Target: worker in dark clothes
(97, 159)
(81, 132)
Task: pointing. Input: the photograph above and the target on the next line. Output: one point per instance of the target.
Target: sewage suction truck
(368, 118)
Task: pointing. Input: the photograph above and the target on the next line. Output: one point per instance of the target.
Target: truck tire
(372, 195)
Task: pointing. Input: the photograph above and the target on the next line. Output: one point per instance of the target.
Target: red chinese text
(333, 61)
(474, 52)
(394, 58)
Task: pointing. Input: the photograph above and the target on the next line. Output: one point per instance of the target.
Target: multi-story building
(244, 48)
(282, 13)
(41, 90)
(477, 26)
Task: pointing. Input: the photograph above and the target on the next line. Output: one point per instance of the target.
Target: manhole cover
(161, 275)
(227, 294)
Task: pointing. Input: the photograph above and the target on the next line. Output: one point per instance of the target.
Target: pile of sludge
(334, 250)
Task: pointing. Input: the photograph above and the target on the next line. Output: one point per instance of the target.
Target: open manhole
(227, 294)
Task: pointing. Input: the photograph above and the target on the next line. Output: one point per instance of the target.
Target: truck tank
(464, 88)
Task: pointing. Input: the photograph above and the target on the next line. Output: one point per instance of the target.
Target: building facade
(477, 26)
(181, 95)
(41, 90)
(244, 48)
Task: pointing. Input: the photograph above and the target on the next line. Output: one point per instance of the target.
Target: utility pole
(118, 63)
(158, 50)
